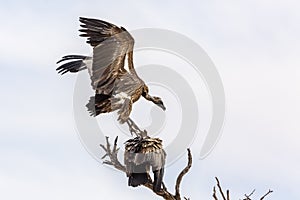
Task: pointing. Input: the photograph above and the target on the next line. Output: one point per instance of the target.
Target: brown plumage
(115, 87)
(141, 153)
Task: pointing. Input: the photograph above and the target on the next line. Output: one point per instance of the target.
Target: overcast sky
(254, 45)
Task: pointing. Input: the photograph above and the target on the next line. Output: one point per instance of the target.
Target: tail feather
(136, 179)
(100, 103)
(158, 177)
(76, 63)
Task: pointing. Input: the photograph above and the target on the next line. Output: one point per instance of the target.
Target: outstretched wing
(111, 44)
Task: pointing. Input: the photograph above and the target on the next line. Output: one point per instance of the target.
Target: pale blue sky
(254, 45)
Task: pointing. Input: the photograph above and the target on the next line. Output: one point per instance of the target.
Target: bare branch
(113, 155)
(215, 193)
(220, 188)
(163, 192)
(248, 196)
(227, 193)
(269, 192)
(183, 172)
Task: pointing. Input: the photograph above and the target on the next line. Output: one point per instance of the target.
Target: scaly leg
(134, 129)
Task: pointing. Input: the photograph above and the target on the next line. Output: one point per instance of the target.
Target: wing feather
(111, 45)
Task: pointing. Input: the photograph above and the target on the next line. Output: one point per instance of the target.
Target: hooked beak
(162, 106)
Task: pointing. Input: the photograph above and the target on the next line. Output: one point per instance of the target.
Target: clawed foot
(134, 129)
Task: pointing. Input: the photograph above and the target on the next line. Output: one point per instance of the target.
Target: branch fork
(223, 197)
(112, 153)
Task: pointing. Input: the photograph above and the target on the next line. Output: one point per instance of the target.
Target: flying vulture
(141, 153)
(116, 88)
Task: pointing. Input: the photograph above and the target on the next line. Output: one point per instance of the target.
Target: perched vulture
(116, 88)
(141, 153)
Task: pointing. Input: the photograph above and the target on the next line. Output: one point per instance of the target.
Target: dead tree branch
(269, 192)
(215, 193)
(220, 189)
(183, 172)
(248, 196)
(227, 193)
(112, 154)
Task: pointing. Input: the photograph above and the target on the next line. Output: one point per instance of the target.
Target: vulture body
(116, 88)
(141, 153)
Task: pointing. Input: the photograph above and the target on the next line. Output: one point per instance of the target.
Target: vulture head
(159, 102)
(155, 100)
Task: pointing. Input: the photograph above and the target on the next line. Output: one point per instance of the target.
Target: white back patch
(89, 63)
(122, 96)
(126, 64)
